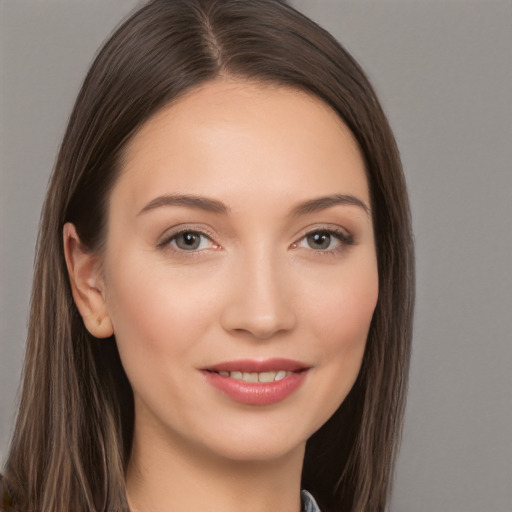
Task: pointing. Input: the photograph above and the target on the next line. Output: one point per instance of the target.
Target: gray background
(444, 73)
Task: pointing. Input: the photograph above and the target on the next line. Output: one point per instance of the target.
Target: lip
(257, 393)
(254, 365)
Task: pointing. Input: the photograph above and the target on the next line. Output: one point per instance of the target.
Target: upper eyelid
(174, 231)
(330, 228)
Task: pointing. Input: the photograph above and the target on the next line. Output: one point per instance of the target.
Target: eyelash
(343, 238)
(168, 240)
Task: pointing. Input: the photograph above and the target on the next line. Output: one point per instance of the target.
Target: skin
(255, 287)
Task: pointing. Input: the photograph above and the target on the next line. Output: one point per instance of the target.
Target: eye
(325, 240)
(320, 241)
(190, 241)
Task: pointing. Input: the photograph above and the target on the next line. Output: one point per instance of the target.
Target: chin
(250, 450)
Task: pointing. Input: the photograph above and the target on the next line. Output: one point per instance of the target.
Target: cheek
(342, 312)
(155, 311)
(341, 315)
(341, 329)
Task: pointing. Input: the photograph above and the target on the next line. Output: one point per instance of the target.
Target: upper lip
(264, 365)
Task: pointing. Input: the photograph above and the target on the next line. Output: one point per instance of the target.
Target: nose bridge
(260, 299)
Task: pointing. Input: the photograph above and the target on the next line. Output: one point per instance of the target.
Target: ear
(87, 284)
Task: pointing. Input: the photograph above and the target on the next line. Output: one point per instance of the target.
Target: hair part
(74, 427)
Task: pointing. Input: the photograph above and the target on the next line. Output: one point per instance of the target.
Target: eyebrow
(325, 202)
(215, 206)
(187, 201)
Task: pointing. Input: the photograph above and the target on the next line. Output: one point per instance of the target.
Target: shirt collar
(308, 502)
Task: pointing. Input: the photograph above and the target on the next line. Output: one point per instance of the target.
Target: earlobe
(87, 284)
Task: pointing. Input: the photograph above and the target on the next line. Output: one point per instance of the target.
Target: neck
(170, 476)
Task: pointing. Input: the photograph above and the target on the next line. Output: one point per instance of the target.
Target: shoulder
(5, 496)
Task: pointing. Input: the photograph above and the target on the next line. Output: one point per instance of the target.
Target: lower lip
(254, 393)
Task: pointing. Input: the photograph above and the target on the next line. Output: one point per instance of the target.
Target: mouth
(251, 370)
(272, 376)
(257, 382)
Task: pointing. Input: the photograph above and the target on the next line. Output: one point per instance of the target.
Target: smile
(257, 382)
(255, 376)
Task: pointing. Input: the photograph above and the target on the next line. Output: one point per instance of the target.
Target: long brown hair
(74, 427)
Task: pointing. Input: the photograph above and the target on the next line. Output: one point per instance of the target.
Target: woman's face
(240, 248)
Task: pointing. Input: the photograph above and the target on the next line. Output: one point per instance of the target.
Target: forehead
(232, 137)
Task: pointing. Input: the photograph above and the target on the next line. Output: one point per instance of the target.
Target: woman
(222, 301)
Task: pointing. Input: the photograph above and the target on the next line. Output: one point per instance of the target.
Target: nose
(260, 300)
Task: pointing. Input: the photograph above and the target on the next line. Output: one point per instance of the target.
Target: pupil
(319, 240)
(190, 238)
(188, 241)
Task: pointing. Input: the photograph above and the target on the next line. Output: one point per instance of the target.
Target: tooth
(281, 374)
(255, 376)
(267, 376)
